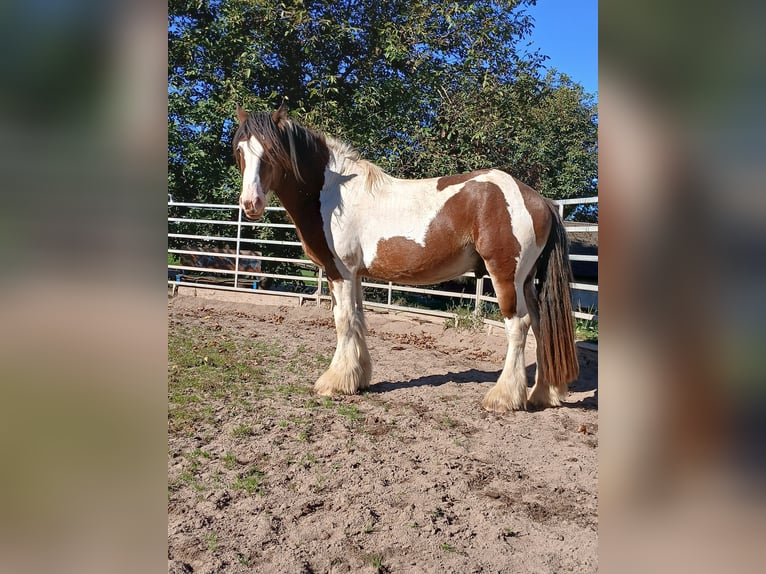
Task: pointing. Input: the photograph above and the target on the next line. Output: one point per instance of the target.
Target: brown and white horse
(356, 221)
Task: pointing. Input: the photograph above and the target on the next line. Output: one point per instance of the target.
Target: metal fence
(218, 251)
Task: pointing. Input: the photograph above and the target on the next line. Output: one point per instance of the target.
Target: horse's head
(259, 152)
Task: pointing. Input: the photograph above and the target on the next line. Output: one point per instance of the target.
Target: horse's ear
(241, 115)
(280, 116)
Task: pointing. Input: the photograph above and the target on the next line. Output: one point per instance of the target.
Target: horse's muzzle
(253, 209)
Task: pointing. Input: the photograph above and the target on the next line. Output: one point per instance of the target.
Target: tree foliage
(422, 88)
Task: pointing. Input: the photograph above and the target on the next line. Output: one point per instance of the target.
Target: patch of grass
(491, 311)
(449, 422)
(190, 475)
(465, 318)
(267, 349)
(230, 461)
(351, 412)
(205, 363)
(242, 431)
(586, 330)
(320, 484)
(211, 540)
(448, 547)
(186, 477)
(311, 404)
(322, 361)
(251, 481)
(376, 560)
(196, 454)
(291, 389)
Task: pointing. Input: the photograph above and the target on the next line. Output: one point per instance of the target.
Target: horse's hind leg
(510, 391)
(351, 368)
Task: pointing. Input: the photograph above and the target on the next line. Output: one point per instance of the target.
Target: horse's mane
(283, 145)
(344, 156)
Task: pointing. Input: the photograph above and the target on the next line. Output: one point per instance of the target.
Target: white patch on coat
(252, 150)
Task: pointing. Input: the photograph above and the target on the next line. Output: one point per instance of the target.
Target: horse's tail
(557, 356)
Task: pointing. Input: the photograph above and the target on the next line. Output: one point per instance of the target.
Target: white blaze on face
(253, 198)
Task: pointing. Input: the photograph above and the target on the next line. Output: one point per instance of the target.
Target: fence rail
(239, 278)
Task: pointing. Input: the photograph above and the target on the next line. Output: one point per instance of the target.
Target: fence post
(319, 286)
(479, 293)
(561, 210)
(236, 257)
(390, 287)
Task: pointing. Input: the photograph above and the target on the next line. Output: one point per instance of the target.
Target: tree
(422, 88)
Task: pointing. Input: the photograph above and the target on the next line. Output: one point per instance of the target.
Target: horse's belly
(405, 261)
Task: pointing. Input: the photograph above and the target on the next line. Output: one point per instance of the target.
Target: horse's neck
(302, 203)
(301, 200)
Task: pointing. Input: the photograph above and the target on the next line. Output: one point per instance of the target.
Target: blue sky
(567, 32)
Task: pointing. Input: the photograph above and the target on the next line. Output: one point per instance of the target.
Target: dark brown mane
(284, 143)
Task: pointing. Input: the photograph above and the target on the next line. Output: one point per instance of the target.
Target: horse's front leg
(351, 369)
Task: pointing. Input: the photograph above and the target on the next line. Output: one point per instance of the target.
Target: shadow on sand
(580, 385)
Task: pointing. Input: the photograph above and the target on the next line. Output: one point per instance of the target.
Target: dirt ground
(411, 476)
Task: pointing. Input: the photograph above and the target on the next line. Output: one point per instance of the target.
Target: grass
(208, 367)
(190, 475)
(449, 422)
(376, 560)
(242, 431)
(320, 484)
(586, 330)
(448, 547)
(204, 366)
(351, 412)
(212, 542)
(465, 318)
(230, 461)
(250, 481)
(327, 403)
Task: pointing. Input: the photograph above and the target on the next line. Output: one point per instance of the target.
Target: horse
(354, 220)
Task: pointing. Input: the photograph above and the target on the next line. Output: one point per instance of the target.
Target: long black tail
(558, 356)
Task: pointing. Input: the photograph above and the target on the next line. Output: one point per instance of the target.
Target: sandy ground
(412, 476)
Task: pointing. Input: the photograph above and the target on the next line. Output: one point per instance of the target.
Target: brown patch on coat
(444, 182)
(538, 208)
(474, 224)
(239, 158)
